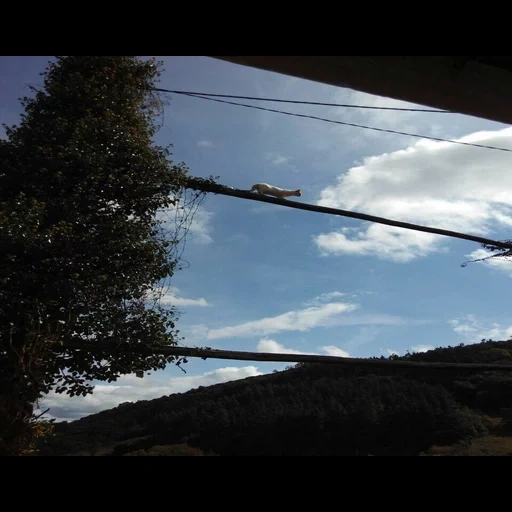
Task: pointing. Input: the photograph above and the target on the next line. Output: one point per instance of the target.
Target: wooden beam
(200, 184)
(208, 353)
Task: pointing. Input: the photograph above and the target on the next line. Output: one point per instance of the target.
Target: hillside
(309, 410)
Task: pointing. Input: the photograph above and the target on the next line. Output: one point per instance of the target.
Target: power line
(396, 132)
(206, 186)
(299, 102)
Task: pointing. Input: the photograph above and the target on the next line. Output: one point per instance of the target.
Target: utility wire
(438, 139)
(298, 102)
(199, 184)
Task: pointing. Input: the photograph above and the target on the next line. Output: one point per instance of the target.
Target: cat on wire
(271, 190)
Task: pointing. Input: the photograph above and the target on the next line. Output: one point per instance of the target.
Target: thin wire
(438, 139)
(297, 102)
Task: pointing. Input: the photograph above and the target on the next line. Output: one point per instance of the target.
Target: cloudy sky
(272, 279)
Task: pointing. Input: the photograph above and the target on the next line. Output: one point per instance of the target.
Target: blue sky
(268, 278)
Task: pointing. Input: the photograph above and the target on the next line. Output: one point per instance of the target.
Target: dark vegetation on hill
(308, 410)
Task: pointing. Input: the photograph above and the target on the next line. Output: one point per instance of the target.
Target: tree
(81, 247)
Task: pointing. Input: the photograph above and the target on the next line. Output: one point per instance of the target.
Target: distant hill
(308, 409)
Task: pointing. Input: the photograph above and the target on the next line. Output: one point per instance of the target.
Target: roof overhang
(476, 86)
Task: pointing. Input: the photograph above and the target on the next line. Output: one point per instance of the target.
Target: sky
(262, 277)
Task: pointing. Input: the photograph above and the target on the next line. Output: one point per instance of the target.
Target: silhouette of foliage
(81, 183)
(176, 450)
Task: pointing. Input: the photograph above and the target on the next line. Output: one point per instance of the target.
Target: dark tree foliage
(310, 409)
(179, 450)
(80, 247)
(367, 415)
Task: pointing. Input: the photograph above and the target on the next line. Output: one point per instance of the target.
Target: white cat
(270, 190)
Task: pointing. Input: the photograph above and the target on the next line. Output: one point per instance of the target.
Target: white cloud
(205, 144)
(331, 350)
(301, 320)
(132, 389)
(422, 348)
(330, 315)
(383, 242)
(503, 264)
(180, 301)
(195, 334)
(279, 160)
(474, 330)
(170, 297)
(324, 297)
(438, 184)
(201, 228)
(273, 347)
